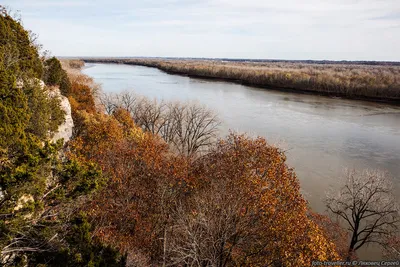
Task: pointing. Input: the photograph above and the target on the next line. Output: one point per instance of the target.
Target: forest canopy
(127, 190)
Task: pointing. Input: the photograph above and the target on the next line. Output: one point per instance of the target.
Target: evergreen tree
(40, 187)
(80, 249)
(54, 75)
(18, 53)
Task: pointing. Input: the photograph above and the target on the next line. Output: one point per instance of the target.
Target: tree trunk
(165, 248)
(353, 242)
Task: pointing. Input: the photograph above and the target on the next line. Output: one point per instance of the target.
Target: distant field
(378, 81)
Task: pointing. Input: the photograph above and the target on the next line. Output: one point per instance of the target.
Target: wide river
(321, 135)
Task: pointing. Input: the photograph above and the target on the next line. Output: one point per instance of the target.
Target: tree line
(374, 83)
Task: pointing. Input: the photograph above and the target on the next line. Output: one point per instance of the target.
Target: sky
(259, 29)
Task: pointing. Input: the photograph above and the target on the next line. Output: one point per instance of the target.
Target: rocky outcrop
(65, 129)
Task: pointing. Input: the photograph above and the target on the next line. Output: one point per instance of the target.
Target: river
(321, 135)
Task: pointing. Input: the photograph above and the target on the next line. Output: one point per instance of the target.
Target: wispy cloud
(330, 29)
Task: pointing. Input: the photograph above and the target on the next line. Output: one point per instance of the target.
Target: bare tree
(196, 127)
(206, 232)
(392, 249)
(126, 100)
(34, 40)
(168, 127)
(187, 127)
(137, 258)
(366, 205)
(108, 101)
(150, 115)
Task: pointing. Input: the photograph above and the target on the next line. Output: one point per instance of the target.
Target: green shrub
(54, 75)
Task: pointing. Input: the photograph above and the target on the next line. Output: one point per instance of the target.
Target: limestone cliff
(65, 129)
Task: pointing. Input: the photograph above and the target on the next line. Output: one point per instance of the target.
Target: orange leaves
(271, 208)
(241, 196)
(143, 177)
(333, 232)
(83, 98)
(98, 134)
(125, 118)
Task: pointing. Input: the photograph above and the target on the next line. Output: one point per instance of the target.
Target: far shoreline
(154, 63)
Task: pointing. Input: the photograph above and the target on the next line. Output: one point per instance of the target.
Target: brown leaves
(128, 211)
(237, 205)
(333, 232)
(248, 210)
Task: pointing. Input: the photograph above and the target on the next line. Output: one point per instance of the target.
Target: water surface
(321, 135)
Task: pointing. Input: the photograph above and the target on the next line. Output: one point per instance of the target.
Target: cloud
(389, 16)
(329, 29)
(50, 3)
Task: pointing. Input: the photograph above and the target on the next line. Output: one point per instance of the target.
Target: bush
(54, 75)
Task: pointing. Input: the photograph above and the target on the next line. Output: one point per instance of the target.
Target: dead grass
(353, 81)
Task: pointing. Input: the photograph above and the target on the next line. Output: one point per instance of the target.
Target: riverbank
(377, 83)
(320, 135)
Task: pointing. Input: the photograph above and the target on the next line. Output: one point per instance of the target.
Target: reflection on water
(321, 135)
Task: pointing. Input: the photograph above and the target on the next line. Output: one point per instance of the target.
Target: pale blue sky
(280, 29)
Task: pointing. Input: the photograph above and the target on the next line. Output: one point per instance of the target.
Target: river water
(321, 135)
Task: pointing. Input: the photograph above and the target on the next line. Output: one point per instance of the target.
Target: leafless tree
(206, 231)
(187, 127)
(108, 102)
(150, 115)
(23, 244)
(29, 238)
(34, 40)
(136, 258)
(9, 55)
(196, 128)
(392, 249)
(169, 123)
(366, 205)
(126, 100)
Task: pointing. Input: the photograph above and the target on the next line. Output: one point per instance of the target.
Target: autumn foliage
(147, 183)
(240, 202)
(136, 162)
(333, 232)
(250, 202)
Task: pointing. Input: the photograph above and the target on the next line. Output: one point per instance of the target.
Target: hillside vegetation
(136, 193)
(347, 80)
(39, 186)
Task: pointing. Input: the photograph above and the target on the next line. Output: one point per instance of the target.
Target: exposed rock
(65, 129)
(22, 201)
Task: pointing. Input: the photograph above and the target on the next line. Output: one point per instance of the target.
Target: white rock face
(65, 129)
(24, 199)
